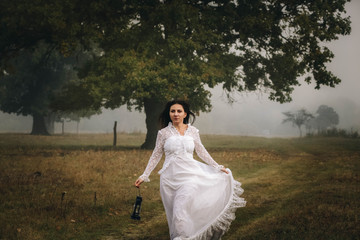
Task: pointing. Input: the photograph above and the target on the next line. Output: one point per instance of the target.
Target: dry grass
(295, 188)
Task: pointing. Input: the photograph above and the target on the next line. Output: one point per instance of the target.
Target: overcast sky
(252, 114)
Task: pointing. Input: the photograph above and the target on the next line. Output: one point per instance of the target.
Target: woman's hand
(224, 170)
(138, 182)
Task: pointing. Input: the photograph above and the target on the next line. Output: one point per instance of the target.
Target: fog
(252, 114)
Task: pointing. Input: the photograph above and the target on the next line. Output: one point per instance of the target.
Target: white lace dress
(199, 200)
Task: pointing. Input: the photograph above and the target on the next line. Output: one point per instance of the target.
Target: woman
(199, 199)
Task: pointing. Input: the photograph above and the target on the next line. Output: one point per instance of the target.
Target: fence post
(114, 142)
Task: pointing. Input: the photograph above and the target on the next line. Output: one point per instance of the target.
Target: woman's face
(177, 113)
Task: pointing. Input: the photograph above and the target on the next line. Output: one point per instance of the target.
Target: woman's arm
(153, 161)
(204, 154)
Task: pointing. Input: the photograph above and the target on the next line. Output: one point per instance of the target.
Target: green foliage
(184, 45)
(64, 24)
(175, 49)
(35, 77)
(33, 84)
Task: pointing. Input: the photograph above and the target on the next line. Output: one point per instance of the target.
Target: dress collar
(171, 126)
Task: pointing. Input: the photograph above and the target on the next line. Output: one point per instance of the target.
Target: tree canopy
(175, 49)
(37, 76)
(244, 45)
(155, 50)
(325, 118)
(28, 89)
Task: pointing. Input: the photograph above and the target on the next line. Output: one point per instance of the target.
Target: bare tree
(298, 118)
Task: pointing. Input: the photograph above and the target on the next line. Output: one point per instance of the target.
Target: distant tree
(310, 126)
(76, 116)
(326, 117)
(27, 89)
(298, 118)
(34, 80)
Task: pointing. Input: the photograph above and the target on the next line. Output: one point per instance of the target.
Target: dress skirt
(199, 200)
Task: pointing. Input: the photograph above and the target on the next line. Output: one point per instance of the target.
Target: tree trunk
(39, 126)
(77, 126)
(153, 110)
(50, 123)
(299, 126)
(63, 126)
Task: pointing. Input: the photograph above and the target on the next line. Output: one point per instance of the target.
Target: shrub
(335, 132)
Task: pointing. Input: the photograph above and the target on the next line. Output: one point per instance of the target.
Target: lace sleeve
(155, 157)
(202, 152)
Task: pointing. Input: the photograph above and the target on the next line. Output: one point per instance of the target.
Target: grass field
(80, 187)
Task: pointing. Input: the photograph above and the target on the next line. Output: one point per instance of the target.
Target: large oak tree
(176, 49)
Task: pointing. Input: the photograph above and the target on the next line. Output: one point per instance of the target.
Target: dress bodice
(175, 146)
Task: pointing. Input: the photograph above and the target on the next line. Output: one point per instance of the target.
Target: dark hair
(165, 116)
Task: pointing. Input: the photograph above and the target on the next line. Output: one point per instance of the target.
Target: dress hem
(222, 223)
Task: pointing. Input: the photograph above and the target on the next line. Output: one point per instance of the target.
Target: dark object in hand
(137, 206)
